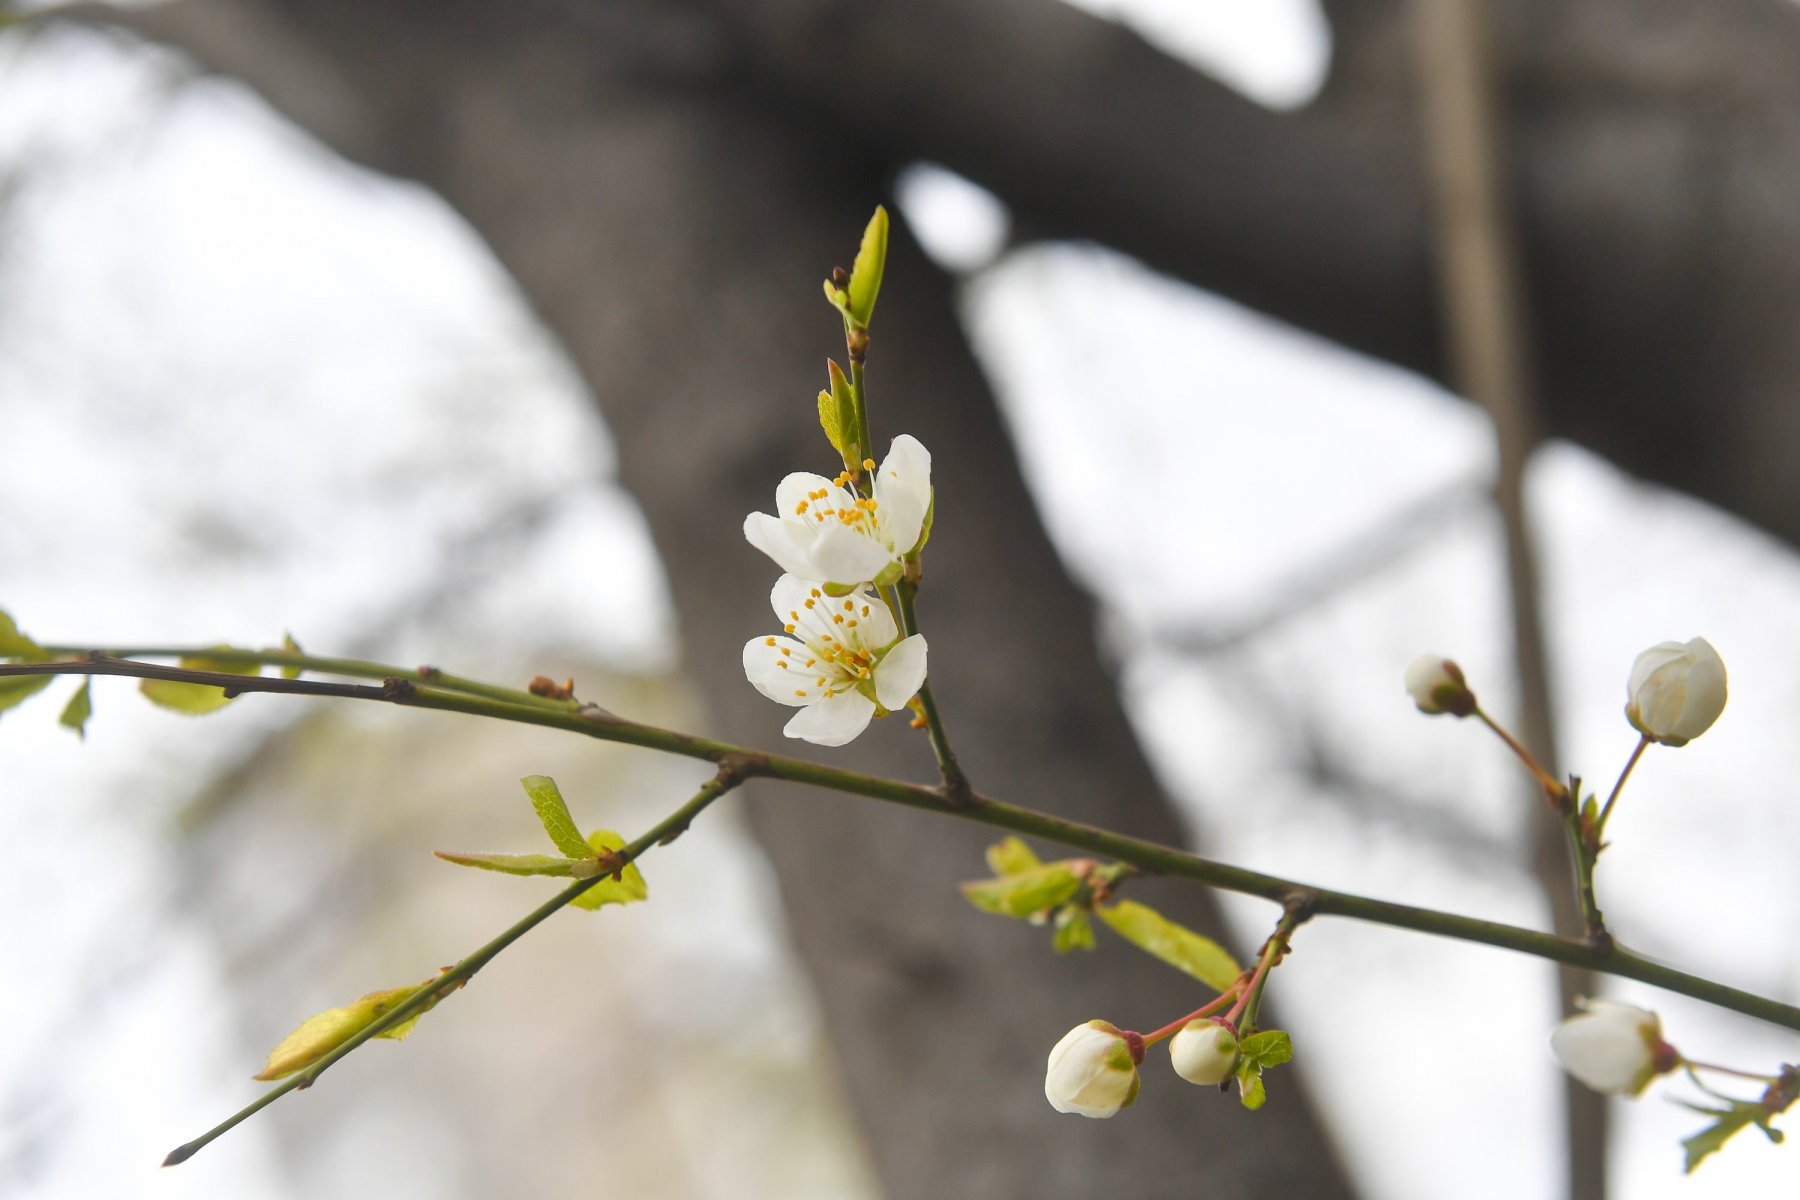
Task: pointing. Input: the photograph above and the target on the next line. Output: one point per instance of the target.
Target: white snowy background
(246, 388)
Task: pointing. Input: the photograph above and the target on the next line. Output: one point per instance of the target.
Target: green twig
(729, 776)
(956, 784)
(1148, 857)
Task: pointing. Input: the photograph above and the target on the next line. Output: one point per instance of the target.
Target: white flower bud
(1204, 1052)
(1613, 1047)
(1093, 1070)
(1676, 691)
(1437, 686)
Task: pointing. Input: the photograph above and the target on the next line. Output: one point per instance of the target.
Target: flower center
(824, 509)
(831, 629)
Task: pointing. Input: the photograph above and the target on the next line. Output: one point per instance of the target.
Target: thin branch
(1148, 857)
(729, 776)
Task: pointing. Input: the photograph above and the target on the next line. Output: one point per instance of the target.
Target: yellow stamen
(868, 464)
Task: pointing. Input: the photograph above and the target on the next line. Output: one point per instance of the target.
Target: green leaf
(1741, 1115)
(837, 416)
(554, 813)
(1176, 945)
(195, 699)
(1251, 1092)
(292, 647)
(14, 644)
(324, 1032)
(80, 707)
(1270, 1048)
(1073, 930)
(523, 864)
(1011, 856)
(865, 273)
(1026, 892)
(16, 689)
(628, 888)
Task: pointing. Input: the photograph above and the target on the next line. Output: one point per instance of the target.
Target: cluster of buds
(1093, 1070)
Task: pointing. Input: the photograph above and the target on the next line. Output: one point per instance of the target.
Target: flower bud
(1204, 1052)
(1436, 685)
(1093, 1070)
(1613, 1048)
(1676, 691)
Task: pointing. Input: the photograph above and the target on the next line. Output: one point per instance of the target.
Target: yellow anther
(836, 619)
(770, 641)
(865, 610)
(849, 606)
(868, 464)
(851, 624)
(821, 681)
(809, 604)
(785, 652)
(787, 628)
(811, 661)
(781, 664)
(816, 593)
(800, 508)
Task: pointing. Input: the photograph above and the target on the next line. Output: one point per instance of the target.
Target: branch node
(1298, 904)
(397, 689)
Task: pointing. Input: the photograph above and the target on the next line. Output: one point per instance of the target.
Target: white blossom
(1677, 690)
(1204, 1052)
(1437, 686)
(1092, 1071)
(836, 658)
(821, 532)
(1612, 1047)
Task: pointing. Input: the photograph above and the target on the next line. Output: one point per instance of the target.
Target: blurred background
(466, 334)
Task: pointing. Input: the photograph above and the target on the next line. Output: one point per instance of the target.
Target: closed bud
(1093, 1070)
(1204, 1052)
(1677, 690)
(1613, 1048)
(1437, 686)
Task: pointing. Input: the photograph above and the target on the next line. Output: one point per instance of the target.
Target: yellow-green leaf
(628, 888)
(522, 864)
(196, 699)
(324, 1032)
(1010, 856)
(292, 647)
(837, 416)
(547, 798)
(1026, 892)
(14, 644)
(1176, 945)
(1073, 930)
(80, 707)
(16, 689)
(865, 274)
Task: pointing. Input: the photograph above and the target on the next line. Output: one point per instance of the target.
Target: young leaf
(14, 644)
(324, 1032)
(1026, 892)
(1176, 945)
(16, 689)
(865, 273)
(1011, 856)
(1251, 1092)
(837, 415)
(1728, 1121)
(628, 888)
(292, 647)
(80, 707)
(195, 699)
(1270, 1048)
(1073, 930)
(554, 813)
(522, 864)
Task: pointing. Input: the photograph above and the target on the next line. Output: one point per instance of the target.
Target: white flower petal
(789, 596)
(903, 491)
(833, 721)
(875, 626)
(898, 676)
(842, 555)
(797, 489)
(772, 664)
(773, 537)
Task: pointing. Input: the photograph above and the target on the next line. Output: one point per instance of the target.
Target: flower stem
(729, 776)
(1272, 952)
(1556, 792)
(1205, 1010)
(956, 784)
(1606, 809)
(1150, 858)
